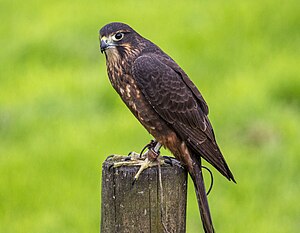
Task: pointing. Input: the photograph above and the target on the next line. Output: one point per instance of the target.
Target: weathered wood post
(142, 207)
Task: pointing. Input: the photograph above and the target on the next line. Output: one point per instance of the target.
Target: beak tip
(103, 46)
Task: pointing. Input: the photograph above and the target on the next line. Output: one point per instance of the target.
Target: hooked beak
(105, 43)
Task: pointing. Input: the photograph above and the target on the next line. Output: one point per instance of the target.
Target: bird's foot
(136, 160)
(133, 159)
(145, 160)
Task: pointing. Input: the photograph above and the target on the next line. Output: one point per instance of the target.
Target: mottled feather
(175, 102)
(165, 101)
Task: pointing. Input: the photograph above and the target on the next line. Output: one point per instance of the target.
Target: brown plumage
(165, 101)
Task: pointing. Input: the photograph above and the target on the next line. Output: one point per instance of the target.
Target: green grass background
(60, 118)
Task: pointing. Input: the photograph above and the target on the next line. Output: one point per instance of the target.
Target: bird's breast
(124, 83)
(132, 96)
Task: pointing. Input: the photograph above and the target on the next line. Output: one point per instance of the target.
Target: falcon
(166, 102)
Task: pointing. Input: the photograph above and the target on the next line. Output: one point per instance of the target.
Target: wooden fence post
(128, 208)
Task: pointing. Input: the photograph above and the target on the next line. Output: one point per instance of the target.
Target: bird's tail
(197, 177)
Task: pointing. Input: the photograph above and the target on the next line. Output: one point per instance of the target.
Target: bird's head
(118, 40)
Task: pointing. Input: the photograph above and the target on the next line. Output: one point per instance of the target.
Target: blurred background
(60, 117)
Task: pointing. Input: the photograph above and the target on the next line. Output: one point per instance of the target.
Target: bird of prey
(166, 102)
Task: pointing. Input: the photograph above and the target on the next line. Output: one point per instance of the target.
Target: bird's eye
(118, 36)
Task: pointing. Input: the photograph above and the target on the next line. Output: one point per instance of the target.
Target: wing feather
(175, 101)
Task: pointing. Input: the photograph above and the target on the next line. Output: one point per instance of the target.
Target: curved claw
(133, 182)
(110, 167)
(109, 157)
(168, 160)
(128, 158)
